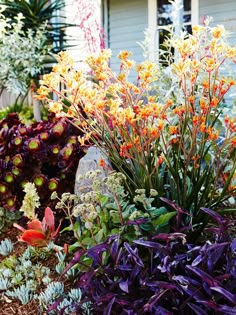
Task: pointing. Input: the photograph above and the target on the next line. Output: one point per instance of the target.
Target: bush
(45, 153)
(162, 275)
(178, 145)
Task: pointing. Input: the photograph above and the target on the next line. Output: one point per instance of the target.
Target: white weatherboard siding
(223, 12)
(127, 21)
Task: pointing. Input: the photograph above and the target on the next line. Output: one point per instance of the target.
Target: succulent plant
(6, 247)
(7, 218)
(46, 153)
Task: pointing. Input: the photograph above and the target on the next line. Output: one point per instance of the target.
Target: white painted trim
(152, 26)
(195, 12)
(105, 18)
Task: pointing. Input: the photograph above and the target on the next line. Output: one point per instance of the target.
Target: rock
(90, 162)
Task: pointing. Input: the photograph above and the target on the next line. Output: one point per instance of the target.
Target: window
(162, 13)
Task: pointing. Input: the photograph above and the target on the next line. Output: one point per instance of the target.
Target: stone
(90, 162)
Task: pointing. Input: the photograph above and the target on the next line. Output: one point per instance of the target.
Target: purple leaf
(74, 261)
(170, 236)
(85, 278)
(125, 267)
(54, 306)
(233, 246)
(197, 260)
(223, 309)
(173, 205)
(197, 309)
(216, 216)
(161, 311)
(114, 248)
(124, 285)
(136, 258)
(227, 310)
(214, 252)
(228, 295)
(107, 310)
(138, 221)
(96, 252)
(209, 304)
(207, 278)
(154, 245)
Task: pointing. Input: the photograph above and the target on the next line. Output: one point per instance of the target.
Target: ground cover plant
(162, 275)
(181, 145)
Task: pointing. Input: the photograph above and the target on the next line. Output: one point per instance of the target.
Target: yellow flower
(210, 64)
(55, 107)
(124, 55)
(218, 31)
(197, 29)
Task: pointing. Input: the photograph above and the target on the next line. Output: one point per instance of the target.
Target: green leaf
(115, 216)
(146, 226)
(115, 231)
(157, 211)
(87, 241)
(164, 218)
(104, 200)
(99, 236)
(111, 205)
(68, 228)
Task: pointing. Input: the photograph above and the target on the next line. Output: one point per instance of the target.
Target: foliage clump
(178, 144)
(22, 54)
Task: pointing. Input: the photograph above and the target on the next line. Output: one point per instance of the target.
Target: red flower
(39, 233)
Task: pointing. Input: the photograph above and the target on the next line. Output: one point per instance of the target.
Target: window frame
(152, 25)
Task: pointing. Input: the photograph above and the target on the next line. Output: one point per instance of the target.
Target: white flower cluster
(30, 201)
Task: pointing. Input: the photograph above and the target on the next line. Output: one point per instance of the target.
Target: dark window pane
(164, 9)
(187, 5)
(188, 29)
(187, 18)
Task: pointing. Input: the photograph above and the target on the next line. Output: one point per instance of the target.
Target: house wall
(223, 12)
(126, 23)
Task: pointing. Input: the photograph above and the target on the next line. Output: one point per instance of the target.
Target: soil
(13, 307)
